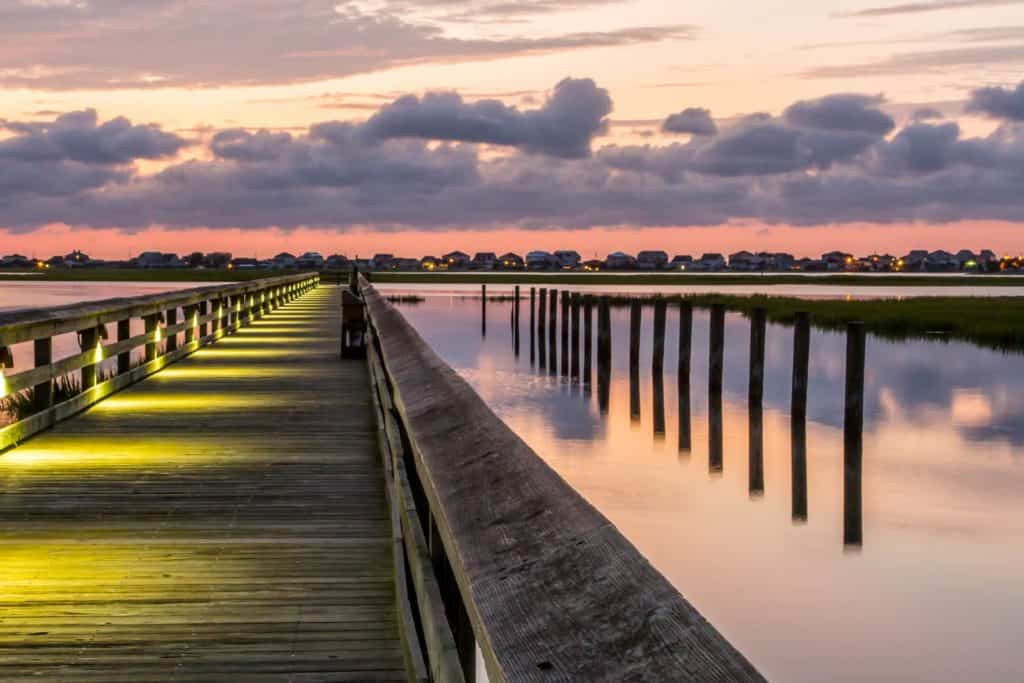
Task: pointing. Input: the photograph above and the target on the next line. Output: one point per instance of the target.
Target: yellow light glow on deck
(230, 354)
(214, 372)
(90, 453)
(164, 403)
(3, 384)
(265, 339)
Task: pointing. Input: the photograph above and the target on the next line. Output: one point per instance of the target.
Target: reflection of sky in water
(933, 594)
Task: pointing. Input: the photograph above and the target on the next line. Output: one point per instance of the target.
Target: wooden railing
(207, 313)
(495, 550)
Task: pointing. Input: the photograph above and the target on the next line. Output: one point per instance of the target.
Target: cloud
(564, 126)
(78, 136)
(693, 121)
(999, 103)
(138, 43)
(927, 7)
(903, 64)
(843, 112)
(824, 161)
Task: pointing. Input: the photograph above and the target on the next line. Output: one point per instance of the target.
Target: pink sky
(1003, 238)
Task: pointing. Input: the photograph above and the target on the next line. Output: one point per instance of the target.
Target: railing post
(190, 324)
(203, 310)
(172, 339)
(88, 339)
(124, 333)
(715, 367)
(43, 392)
(152, 326)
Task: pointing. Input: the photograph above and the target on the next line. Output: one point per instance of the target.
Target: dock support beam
(541, 329)
(683, 374)
(658, 366)
(635, 317)
(853, 434)
(604, 354)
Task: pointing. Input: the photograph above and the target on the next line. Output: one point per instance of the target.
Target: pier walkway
(224, 519)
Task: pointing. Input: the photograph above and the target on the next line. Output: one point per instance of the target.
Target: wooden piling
(758, 331)
(853, 433)
(635, 318)
(574, 342)
(798, 468)
(715, 436)
(515, 322)
(604, 354)
(658, 366)
(683, 373)
(801, 362)
(483, 310)
(755, 457)
(541, 329)
(533, 322)
(588, 338)
(565, 334)
(716, 348)
(553, 333)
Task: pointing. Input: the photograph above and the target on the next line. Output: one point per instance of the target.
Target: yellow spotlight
(157, 336)
(97, 356)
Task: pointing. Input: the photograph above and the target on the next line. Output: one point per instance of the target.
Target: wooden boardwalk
(223, 520)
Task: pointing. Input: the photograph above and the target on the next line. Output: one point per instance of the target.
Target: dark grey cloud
(926, 114)
(798, 168)
(78, 136)
(108, 44)
(564, 126)
(842, 112)
(926, 7)
(692, 121)
(999, 103)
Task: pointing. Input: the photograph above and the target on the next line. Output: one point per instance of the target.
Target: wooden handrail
(551, 588)
(208, 313)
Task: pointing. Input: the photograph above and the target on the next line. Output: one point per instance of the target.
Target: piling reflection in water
(575, 305)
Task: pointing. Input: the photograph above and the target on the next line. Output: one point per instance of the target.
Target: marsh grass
(23, 404)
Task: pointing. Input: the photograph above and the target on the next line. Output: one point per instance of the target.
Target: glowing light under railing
(3, 383)
(97, 355)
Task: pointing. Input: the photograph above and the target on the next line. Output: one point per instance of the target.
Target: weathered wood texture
(222, 520)
(554, 591)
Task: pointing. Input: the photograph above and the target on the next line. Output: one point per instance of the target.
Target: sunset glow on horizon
(418, 127)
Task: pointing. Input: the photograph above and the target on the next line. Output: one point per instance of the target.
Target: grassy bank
(131, 275)
(900, 280)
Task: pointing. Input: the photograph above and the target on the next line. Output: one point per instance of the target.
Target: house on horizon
(456, 260)
(483, 260)
(510, 261)
(540, 260)
(567, 259)
(651, 260)
(619, 260)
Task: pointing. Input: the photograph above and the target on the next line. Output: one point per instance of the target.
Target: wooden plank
(553, 589)
(222, 522)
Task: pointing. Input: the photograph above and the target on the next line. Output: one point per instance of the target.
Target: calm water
(934, 591)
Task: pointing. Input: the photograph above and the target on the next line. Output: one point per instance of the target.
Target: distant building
(540, 260)
(680, 262)
(651, 260)
(619, 261)
(382, 261)
(837, 260)
(405, 264)
(217, 259)
(311, 260)
(77, 259)
(15, 261)
(245, 263)
(483, 260)
(593, 266)
(510, 261)
(284, 261)
(915, 260)
(709, 262)
(155, 259)
(567, 260)
(456, 260)
(941, 261)
(745, 261)
(430, 264)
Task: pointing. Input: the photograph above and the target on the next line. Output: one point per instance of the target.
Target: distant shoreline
(532, 278)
